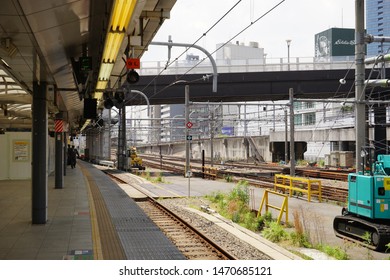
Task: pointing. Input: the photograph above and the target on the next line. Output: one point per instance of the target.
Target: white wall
(16, 155)
(19, 154)
(4, 157)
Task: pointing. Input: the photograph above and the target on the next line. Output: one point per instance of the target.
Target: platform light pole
(288, 41)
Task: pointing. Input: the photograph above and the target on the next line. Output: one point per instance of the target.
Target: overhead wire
(204, 34)
(235, 36)
(340, 114)
(222, 45)
(193, 44)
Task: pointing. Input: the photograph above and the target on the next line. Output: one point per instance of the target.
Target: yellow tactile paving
(105, 238)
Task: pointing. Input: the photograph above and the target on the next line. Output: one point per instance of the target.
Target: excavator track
(355, 229)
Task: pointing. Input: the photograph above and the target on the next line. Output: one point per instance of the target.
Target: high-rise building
(378, 24)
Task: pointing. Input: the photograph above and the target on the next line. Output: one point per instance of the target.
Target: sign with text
(133, 63)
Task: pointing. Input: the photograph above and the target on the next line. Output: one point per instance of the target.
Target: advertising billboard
(334, 42)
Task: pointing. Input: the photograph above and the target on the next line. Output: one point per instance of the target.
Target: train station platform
(89, 218)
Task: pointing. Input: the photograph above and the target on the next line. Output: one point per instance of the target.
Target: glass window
(310, 119)
(298, 119)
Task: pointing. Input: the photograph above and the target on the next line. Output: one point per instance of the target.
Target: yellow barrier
(282, 209)
(210, 172)
(309, 186)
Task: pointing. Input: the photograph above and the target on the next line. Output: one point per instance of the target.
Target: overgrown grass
(235, 206)
(388, 249)
(336, 252)
(154, 179)
(159, 178)
(228, 178)
(145, 175)
(307, 230)
(367, 239)
(275, 232)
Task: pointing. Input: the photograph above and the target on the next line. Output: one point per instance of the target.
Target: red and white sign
(58, 126)
(189, 124)
(133, 63)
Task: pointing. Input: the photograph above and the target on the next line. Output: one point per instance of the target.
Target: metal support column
(108, 127)
(65, 147)
(360, 112)
(59, 152)
(380, 141)
(187, 119)
(292, 128)
(122, 139)
(212, 139)
(39, 154)
(285, 137)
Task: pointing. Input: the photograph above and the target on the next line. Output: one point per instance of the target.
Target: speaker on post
(90, 105)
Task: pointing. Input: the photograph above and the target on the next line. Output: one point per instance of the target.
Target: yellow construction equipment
(134, 160)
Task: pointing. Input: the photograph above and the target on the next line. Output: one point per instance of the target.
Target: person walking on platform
(73, 155)
(69, 155)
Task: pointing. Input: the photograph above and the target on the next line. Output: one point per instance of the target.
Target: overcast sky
(298, 20)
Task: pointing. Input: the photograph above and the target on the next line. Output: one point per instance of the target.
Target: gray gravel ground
(229, 242)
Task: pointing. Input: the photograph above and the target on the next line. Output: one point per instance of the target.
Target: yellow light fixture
(120, 18)
(86, 123)
(119, 21)
(99, 95)
(111, 48)
(101, 85)
(123, 10)
(105, 71)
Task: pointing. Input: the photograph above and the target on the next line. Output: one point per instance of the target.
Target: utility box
(346, 159)
(327, 160)
(335, 159)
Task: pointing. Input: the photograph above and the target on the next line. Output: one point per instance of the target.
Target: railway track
(192, 243)
(259, 176)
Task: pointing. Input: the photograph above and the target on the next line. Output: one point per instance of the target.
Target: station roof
(57, 33)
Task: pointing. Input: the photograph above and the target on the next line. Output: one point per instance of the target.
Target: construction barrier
(210, 172)
(298, 185)
(282, 209)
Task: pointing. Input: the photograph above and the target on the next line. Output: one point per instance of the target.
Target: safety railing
(298, 185)
(282, 209)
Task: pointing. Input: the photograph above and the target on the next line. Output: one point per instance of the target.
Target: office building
(378, 24)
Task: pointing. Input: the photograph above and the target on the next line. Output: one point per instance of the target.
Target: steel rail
(225, 255)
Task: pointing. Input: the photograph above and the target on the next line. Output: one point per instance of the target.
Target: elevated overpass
(246, 82)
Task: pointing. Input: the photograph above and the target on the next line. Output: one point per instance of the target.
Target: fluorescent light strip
(98, 95)
(129, 12)
(101, 85)
(122, 13)
(105, 71)
(120, 18)
(116, 14)
(112, 46)
(85, 124)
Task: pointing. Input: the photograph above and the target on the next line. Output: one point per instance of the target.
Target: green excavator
(366, 219)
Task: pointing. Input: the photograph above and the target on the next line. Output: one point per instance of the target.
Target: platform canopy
(75, 47)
